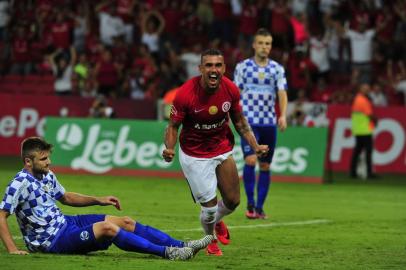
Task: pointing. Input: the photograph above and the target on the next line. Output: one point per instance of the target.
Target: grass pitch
(346, 224)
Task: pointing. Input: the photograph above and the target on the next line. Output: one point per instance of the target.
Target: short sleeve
(179, 107)
(235, 97)
(13, 195)
(59, 190)
(238, 76)
(281, 82)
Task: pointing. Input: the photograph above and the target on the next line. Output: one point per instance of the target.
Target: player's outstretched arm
(6, 237)
(171, 137)
(80, 200)
(243, 128)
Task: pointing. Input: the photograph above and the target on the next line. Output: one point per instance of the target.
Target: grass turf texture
(365, 229)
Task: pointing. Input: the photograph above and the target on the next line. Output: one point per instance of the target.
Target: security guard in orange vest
(363, 124)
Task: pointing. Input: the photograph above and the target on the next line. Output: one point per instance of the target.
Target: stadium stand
(320, 30)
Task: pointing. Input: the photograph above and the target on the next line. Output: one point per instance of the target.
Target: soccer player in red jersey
(203, 106)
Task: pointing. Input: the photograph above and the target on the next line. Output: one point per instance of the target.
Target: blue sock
(156, 236)
(263, 186)
(249, 183)
(131, 242)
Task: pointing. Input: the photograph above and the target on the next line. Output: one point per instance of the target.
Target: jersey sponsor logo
(213, 110)
(259, 88)
(226, 106)
(207, 127)
(84, 236)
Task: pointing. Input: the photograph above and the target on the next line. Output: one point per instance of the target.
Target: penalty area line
(267, 225)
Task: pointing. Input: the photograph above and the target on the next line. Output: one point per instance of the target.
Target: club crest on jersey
(261, 75)
(84, 235)
(213, 110)
(48, 187)
(226, 106)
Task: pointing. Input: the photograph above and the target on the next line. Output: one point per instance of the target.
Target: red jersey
(61, 34)
(205, 118)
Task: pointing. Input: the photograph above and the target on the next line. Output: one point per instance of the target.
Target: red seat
(28, 88)
(47, 79)
(45, 88)
(31, 78)
(11, 78)
(10, 87)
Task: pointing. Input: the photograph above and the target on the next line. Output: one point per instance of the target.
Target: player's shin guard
(207, 218)
(131, 242)
(262, 188)
(222, 211)
(156, 236)
(249, 183)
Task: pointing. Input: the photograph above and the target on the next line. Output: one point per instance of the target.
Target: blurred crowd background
(143, 49)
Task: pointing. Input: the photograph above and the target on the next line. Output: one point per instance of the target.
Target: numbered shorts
(77, 237)
(201, 174)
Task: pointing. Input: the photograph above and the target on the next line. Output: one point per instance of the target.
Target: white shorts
(201, 174)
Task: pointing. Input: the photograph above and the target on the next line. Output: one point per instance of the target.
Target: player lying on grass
(32, 196)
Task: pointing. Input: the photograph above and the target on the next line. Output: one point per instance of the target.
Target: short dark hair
(262, 32)
(33, 144)
(214, 52)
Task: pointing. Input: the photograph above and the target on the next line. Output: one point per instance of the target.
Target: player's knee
(128, 222)
(208, 214)
(251, 160)
(108, 229)
(264, 166)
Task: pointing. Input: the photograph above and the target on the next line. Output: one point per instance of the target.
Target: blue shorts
(77, 237)
(264, 135)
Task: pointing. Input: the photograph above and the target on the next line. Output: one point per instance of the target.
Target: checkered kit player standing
(260, 80)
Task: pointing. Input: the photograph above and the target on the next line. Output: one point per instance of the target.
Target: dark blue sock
(130, 242)
(264, 181)
(249, 183)
(156, 236)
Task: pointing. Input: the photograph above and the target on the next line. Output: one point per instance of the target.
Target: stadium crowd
(143, 49)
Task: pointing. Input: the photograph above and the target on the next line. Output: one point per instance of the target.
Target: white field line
(267, 225)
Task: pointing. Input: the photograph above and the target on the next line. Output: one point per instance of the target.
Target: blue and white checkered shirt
(33, 201)
(259, 86)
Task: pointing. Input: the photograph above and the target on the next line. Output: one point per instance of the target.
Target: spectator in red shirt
(321, 92)
(61, 30)
(107, 75)
(172, 13)
(21, 57)
(248, 21)
(300, 71)
(192, 28)
(281, 28)
(120, 51)
(221, 27)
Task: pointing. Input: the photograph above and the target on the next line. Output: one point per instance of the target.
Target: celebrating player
(203, 106)
(260, 79)
(32, 195)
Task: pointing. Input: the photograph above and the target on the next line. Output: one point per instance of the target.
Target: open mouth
(213, 79)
